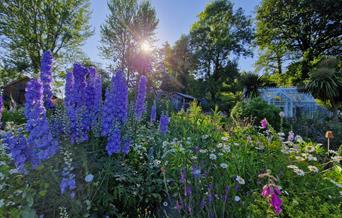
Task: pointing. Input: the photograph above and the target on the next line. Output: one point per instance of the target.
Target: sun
(145, 46)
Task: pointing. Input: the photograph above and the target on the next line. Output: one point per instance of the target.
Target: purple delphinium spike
(127, 146)
(114, 142)
(1, 107)
(18, 149)
(46, 78)
(40, 138)
(164, 124)
(120, 91)
(115, 107)
(153, 116)
(140, 98)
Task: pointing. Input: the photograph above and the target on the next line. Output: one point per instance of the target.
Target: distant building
(14, 92)
(181, 101)
(292, 102)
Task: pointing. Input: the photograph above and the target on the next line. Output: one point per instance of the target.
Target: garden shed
(292, 102)
(14, 92)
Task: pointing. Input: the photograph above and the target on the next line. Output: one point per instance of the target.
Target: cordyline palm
(326, 83)
(250, 83)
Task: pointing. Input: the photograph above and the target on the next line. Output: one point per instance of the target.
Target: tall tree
(29, 27)
(127, 27)
(218, 35)
(308, 29)
(179, 64)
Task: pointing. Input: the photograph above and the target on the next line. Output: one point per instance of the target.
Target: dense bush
(256, 109)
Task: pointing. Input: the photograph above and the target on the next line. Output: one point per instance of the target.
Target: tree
(308, 29)
(29, 27)
(250, 83)
(219, 34)
(179, 65)
(326, 83)
(128, 26)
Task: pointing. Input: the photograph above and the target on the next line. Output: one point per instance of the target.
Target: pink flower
(266, 191)
(263, 123)
(271, 192)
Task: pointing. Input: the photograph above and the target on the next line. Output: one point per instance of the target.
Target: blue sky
(175, 18)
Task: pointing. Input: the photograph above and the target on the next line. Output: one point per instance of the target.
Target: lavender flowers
(46, 78)
(140, 99)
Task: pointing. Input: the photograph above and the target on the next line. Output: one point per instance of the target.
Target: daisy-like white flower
(313, 169)
(203, 151)
(336, 158)
(299, 158)
(312, 158)
(292, 167)
(212, 157)
(219, 145)
(223, 165)
(240, 180)
(237, 198)
(299, 172)
(332, 152)
(236, 144)
(226, 148)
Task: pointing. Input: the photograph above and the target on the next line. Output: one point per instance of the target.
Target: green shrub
(256, 109)
(16, 116)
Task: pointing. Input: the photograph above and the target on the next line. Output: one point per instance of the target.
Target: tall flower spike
(164, 124)
(40, 138)
(1, 107)
(140, 98)
(114, 142)
(120, 92)
(46, 78)
(153, 116)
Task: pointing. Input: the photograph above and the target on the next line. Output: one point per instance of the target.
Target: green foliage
(129, 24)
(16, 116)
(219, 33)
(256, 109)
(306, 29)
(31, 27)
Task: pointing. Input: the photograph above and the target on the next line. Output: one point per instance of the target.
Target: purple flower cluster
(115, 108)
(164, 124)
(83, 98)
(46, 78)
(272, 193)
(18, 149)
(140, 98)
(68, 183)
(40, 138)
(263, 123)
(114, 142)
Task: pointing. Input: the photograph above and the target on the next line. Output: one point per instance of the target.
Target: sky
(175, 18)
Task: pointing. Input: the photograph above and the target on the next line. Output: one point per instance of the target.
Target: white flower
(310, 149)
(2, 203)
(281, 114)
(312, 158)
(203, 151)
(224, 138)
(292, 167)
(205, 136)
(223, 165)
(212, 157)
(336, 158)
(298, 138)
(236, 144)
(219, 145)
(237, 198)
(89, 178)
(165, 204)
(300, 158)
(313, 169)
(299, 172)
(240, 180)
(332, 152)
(226, 148)
(281, 134)
(194, 157)
(156, 163)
